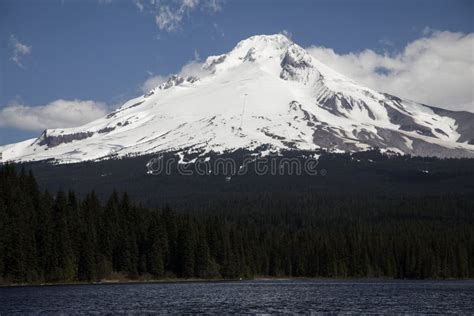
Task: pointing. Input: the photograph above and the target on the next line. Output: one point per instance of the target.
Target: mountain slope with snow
(267, 93)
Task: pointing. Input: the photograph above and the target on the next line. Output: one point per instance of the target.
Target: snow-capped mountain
(266, 93)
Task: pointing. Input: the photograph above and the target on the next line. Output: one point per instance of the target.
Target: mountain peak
(260, 43)
(271, 52)
(267, 92)
(264, 38)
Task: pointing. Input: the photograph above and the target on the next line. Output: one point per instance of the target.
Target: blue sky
(104, 50)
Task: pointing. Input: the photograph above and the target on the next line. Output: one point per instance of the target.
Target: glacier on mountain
(267, 92)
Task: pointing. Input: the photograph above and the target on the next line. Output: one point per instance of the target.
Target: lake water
(260, 297)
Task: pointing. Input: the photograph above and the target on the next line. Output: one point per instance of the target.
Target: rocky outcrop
(176, 80)
(464, 121)
(212, 61)
(295, 64)
(55, 140)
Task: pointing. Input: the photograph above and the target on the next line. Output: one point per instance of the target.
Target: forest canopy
(58, 237)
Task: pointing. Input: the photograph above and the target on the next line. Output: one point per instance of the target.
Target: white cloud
(196, 55)
(139, 5)
(386, 42)
(191, 68)
(152, 82)
(167, 19)
(287, 33)
(214, 5)
(170, 14)
(194, 68)
(189, 4)
(59, 113)
(18, 50)
(437, 69)
(217, 30)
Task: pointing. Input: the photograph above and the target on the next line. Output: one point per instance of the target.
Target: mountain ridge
(269, 92)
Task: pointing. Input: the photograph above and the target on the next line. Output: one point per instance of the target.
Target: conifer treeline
(46, 238)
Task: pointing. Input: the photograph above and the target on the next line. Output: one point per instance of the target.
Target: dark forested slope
(366, 173)
(58, 237)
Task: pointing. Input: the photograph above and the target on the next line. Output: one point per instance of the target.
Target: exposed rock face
(211, 62)
(406, 122)
(295, 64)
(106, 129)
(265, 94)
(52, 141)
(329, 138)
(250, 55)
(114, 113)
(465, 123)
(176, 80)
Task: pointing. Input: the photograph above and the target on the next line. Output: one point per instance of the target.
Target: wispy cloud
(139, 5)
(191, 68)
(152, 82)
(287, 34)
(19, 50)
(436, 69)
(171, 14)
(168, 20)
(214, 5)
(59, 113)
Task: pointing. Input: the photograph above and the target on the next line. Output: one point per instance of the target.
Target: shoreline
(120, 282)
(256, 279)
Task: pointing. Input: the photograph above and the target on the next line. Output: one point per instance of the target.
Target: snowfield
(267, 92)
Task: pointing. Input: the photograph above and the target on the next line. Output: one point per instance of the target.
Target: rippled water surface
(298, 296)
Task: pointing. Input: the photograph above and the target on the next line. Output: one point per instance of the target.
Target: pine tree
(157, 246)
(170, 222)
(3, 228)
(62, 244)
(203, 264)
(109, 232)
(87, 244)
(45, 236)
(186, 250)
(64, 239)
